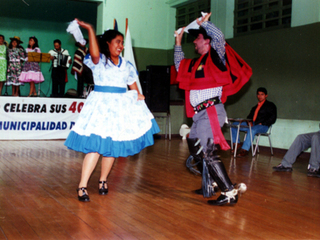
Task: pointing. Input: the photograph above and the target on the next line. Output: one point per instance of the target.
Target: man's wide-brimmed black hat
(196, 32)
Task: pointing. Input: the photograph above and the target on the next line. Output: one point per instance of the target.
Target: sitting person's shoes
(281, 168)
(84, 197)
(312, 172)
(243, 153)
(234, 147)
(103, 190)
(226, 198)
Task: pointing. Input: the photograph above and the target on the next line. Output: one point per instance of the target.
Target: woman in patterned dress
(113, 122)
(3, 62)
(31, 70)
(16, 55)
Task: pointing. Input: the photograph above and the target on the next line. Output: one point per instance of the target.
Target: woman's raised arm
(93, 43)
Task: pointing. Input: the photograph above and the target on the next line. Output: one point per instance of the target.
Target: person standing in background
(78, 66)
(59, 68)
(16, 55)
(31, 70)
(3, 62)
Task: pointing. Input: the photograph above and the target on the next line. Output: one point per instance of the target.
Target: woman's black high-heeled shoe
(103, 190)
(84, 197)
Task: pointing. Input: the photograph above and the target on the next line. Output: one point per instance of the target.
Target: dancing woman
(114, 122)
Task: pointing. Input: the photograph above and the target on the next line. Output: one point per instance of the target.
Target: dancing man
(207, 82)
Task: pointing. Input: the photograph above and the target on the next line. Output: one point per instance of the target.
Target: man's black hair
(57, 41)
(201, 30)
(262, 89)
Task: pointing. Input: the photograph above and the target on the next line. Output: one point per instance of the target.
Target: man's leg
(201, 128)
(62, 88)
(254, 130)
(80, 85)
(222, 114)
(196, 153)
(54, 83)
(234, 131)
(61, 75)
(315, 151)
(301, 142)
(216, 169)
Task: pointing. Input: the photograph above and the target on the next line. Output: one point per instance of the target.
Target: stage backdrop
(37, 118)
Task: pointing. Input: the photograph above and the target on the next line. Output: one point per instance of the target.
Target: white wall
(151, 22)
(223, 16)
(284, 131)
(305, 12)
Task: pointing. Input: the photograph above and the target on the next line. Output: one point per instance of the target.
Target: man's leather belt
(207, 103)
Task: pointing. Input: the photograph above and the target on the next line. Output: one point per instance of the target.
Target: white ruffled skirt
(113, 124)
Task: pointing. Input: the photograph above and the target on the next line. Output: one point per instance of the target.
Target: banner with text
(38, 118)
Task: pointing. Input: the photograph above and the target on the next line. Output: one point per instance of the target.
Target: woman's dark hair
(2, 36)
(18, 44)
(108, 36)
(10, 45)
(35, 45)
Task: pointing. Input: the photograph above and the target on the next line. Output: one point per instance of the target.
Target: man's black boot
(229, 194)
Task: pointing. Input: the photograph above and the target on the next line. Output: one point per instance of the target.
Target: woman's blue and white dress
(112, 121)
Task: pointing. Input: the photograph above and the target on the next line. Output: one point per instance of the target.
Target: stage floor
(150, 197)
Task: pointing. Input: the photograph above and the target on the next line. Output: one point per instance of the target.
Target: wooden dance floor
(150, 197)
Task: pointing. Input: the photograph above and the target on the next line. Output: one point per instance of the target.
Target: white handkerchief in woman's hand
(74, 29)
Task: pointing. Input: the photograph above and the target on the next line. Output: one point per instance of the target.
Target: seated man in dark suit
(264, 114)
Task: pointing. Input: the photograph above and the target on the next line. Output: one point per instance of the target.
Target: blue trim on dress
(119, 64)
(109, 89)
(133, 67)
(109, 148)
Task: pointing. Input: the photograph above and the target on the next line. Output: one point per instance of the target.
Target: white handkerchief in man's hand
(192, 25)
